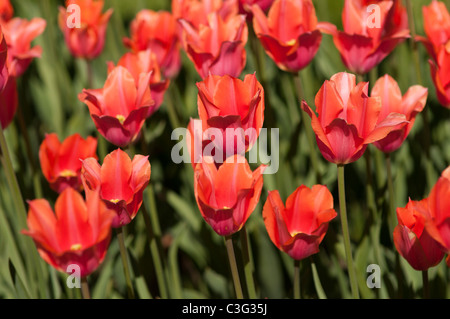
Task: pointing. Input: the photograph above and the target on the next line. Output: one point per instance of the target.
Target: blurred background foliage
(195, 257)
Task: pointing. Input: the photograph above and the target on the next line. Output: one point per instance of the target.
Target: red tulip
(18, 35)
(196, 11)
(392, 101)
(144, 62)
(88, 39)
(436, 22)
(234, 106)
(347, 120)
(121, 182)
(289, 34)
(226, 196)
(245, 6)
(370, 34)
(120, 108)
(78, 233)
(157, 31)
(217, 48)
(440, 74)
(412, 239)
(6, 11)
(438, 225)
(4, 74)
(300, 227)
(61, 162)
(8, 102)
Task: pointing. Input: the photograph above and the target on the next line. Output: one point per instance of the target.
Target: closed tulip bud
(299, 227)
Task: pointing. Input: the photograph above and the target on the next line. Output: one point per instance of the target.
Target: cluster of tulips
(96, 197)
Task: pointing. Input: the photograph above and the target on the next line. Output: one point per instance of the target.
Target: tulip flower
(196, 11)
(19, 33)
(61, 162)
(6, 11)
(217, 48)
(87, 39)
(438, 225)
(157, 31)
(245, 6)
(299, 227)
(436, 22)
(120, 181)
(440, 74)
(8, 102)
(77, 233)
(347, 119)
(4, 74)
(226, 196)
(411, 238)
(144, 62)
(231, 105)
(392, 101)
(289, 33)
(120, 108)
(372, 29)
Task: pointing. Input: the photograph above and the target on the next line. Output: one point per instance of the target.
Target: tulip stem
(248, 264)
(370, 185)
(85, 288)
(31, 252)
(345, 232)
(89, 74)
(233, 267)
(124, 256)
(308, 130)
(425, 287)
(391, 216)
(317, 284)
(297, 279)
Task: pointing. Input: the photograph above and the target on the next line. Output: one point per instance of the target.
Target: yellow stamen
(75, 247)
(121, 118)
(68, 173)
(114, 201)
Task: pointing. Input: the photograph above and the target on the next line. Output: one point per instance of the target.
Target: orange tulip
(78, 233)
(226, 196)
(144, 62)
(412, 239)
(289, 34)
(196, 11)
(18, 34)
(217, 48)
(438, 225)
(88, 39)
(347, 119)
(120, 108)
(234, 106)
(440, 74)
(120, 181)
(370, 33)
(436, 22)
(6, 11)
(157, 31)
(392, 101)
(300, 227)
(61, 162)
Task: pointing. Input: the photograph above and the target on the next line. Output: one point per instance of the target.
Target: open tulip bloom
(299, 227)
(120, 182)
(77, 233)
(347, 119)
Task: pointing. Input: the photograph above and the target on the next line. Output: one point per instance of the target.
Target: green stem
(317, 284)
(370, 185)
(248, 263)
(171, 111)
(124, 256)
(85, 288)
(345, 232)
(390, 182)
(297, 279)
(31, 252)
(308, 130)
(426, 286)
(233, 267)
(89, 74)
(156, 251)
